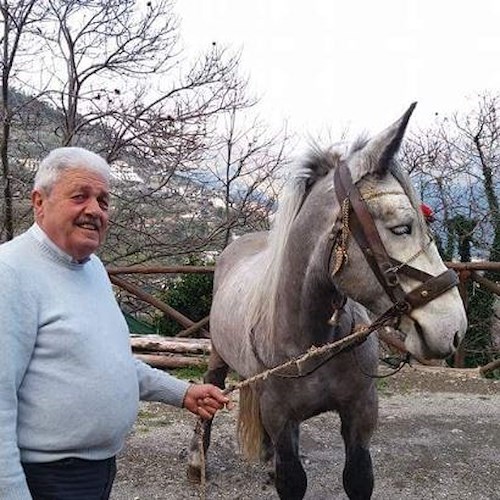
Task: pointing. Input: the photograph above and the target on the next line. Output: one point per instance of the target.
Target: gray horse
(302, 284)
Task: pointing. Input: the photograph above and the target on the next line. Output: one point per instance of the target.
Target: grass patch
(147, 418)
(382, 385)
(146, 414)
(194, 373)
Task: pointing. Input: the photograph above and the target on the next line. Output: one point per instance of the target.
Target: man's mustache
(92, 221)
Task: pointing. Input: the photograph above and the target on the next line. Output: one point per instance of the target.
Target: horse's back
(237, 253)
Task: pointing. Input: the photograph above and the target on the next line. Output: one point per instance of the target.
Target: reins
(401, 364)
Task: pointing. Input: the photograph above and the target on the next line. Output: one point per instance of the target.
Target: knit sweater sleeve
(17, 339)
(156, 385)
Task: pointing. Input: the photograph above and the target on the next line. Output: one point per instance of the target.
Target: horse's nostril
(456, 340)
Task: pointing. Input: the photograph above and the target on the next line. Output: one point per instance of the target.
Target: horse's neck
(307, 297)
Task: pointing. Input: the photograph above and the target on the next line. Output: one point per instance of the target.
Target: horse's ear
(381, 149)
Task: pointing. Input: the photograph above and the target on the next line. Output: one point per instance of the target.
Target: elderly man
(69, 386)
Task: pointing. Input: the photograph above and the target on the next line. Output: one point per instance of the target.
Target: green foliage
(459, 238)
(479, 345)
(477, 342)
(193, 373)
(191, 295)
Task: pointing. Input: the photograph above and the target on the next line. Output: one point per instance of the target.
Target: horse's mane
(263, 294)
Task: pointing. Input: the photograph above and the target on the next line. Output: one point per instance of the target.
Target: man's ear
(37, 200)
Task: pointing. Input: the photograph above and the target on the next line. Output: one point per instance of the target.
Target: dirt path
(438, 438)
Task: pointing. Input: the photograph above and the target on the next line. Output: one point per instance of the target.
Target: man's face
(75, 213)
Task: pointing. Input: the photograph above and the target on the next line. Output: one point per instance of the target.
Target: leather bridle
(387, 269)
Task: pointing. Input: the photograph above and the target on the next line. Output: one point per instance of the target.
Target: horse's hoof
(194, 474)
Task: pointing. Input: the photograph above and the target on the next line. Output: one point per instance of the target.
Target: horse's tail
(250, 429)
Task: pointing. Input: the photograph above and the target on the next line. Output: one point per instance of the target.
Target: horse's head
(387, 255)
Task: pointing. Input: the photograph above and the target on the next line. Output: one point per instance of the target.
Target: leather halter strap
(386, 268)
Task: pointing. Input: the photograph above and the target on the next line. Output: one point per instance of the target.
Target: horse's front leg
(216, 374)
(358, 425)
(290, 480)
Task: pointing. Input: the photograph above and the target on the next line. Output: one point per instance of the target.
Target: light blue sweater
(69, 385)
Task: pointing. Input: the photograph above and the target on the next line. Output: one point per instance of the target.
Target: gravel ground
(438, 438)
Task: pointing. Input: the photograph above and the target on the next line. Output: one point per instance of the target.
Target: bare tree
(432, 159)
(115, 76)
(244, 173)
(481, 152)
(115, 68)
(17, 19)
(112, 78)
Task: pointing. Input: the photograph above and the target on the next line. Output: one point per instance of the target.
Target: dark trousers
(71, 479)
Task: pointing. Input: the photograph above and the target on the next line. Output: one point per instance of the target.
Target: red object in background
(428, 212)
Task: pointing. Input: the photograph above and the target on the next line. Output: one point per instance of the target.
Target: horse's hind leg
(216, 374)
(358, 425)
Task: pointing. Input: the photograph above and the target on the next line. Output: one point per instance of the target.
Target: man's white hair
(62, 159)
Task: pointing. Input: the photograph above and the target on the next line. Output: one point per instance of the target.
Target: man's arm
(201, 399)
(156, 385)
(17, 338)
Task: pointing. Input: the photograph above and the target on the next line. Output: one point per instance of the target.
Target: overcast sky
(328, 65)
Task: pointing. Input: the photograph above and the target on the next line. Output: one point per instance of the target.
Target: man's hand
(204, 400)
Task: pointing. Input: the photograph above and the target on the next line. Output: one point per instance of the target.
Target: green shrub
(191, 295)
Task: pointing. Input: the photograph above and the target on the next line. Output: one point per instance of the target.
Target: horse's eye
(400, 230)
